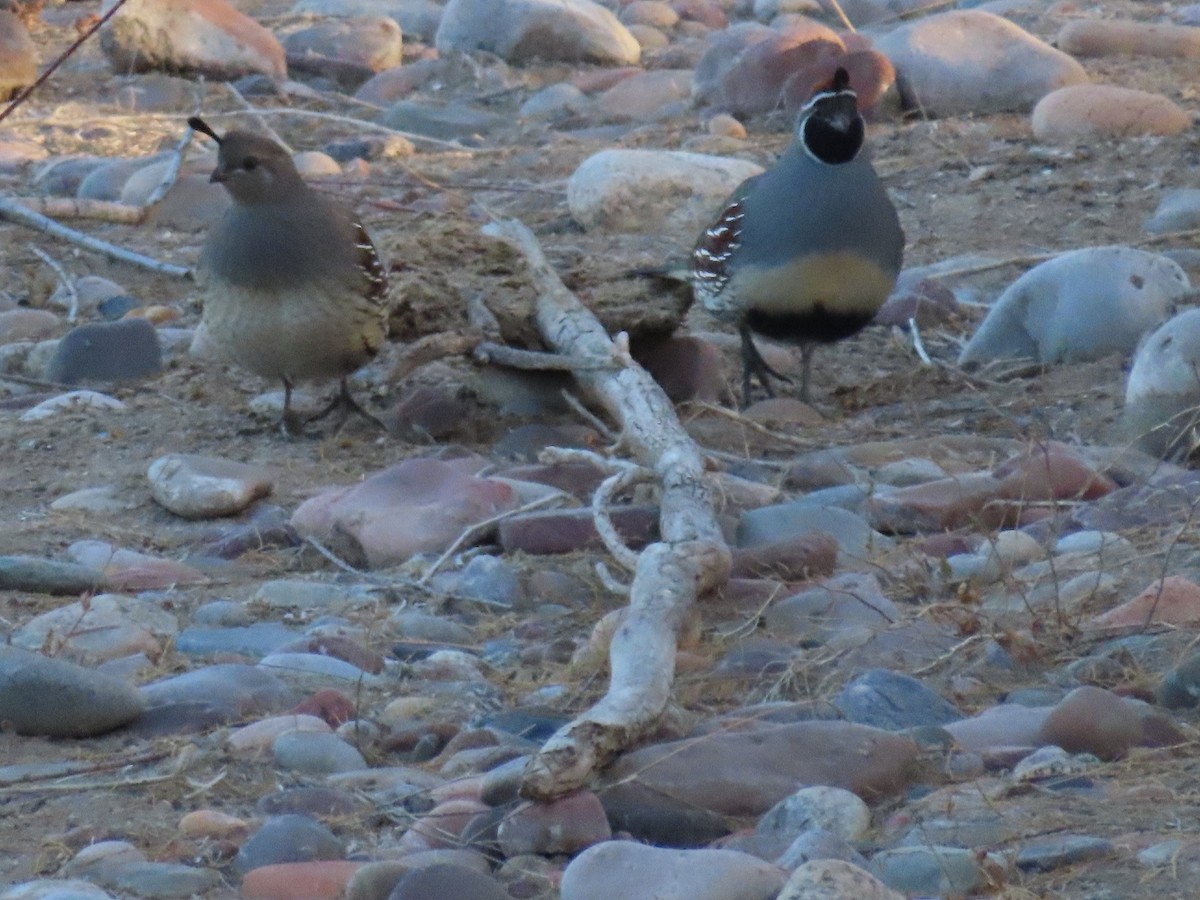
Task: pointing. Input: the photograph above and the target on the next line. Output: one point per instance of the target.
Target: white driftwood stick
(690, 559)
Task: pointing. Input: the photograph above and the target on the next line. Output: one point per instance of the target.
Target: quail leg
(292, 425)
(754, 364)
(344, 404)
(806, 358)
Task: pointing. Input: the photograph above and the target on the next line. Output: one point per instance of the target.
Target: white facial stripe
(828, 95)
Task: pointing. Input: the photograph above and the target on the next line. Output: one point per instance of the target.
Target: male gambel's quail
(809, 250)
(292, 286)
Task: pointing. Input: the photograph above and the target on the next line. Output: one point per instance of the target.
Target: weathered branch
(690, 559)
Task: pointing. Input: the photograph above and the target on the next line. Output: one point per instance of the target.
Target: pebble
(417, 506)
(1174, 600)
(19, 55)
(315, 880)
(1081, 305)
(849, 602)
(626, 869)
(444, 880)
(105, 627)
(40, 695)
(315, 753)
(1047, 854)
(1178, 210)
(46, 576)
(259, 736)
(835, 879)
(237, 689)
(347, 50)
(55, 889)
(855, 538)
(645, 97)
(892, 700)
(971, 62)
(1161, 390)
(565, 826)
(653, 191)
(103, 352)
(755, 81)
(523, 30)
(816, 844)
(201, 487)
(1082, 111)
(832, 810)
(207, 37)
(27, 324)
(286, 839)
(930, 870)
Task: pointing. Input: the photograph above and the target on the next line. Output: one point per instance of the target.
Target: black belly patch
(813, 325)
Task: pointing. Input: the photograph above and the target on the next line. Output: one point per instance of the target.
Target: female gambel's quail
(292, 286)
(807, 251)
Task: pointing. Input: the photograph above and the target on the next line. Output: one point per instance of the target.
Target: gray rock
(1179, 210)
(1046, 854)
(523, 30)
(766, 524)
(973, 62)
(551, 102)
(347, 50)
(892, 700)
(312, 753)
(831, 809)
(244, 690)
(447, 880)
(1081, 305)
(930, 870)
(325, 596)
(55, 889)
(627, 869)
(413, 624)
(107, 181)
(208, 37)
(157, 879)
(106, 352)
(201, 487)
(1162, 393)
(60, 176)
(446, 122)
(44, 696)
(845, 602)
(46, 576)
(488, 578)
(662, 191)
(287, 838)
(817, 843)
(257, 640)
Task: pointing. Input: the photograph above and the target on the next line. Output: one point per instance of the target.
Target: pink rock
(795, 558)
(641, 97)
(27, 324)
(563, 826)
(259, 737)
(597, 80)
(417, 506)
(754, 84)
(745, 773)
(706, 12)
(18, 55)
(442, 826)
(213, 825)
(346, 49)
(569, 530)
(1103, 110)
(1107, 37)
(685, 367)
(935, 505)
(655, 13)
(1007, 725)
(1050, 473)
(1093, 720)
(1172, 601)
(108, 626)
(395, 84)
(871, 76)
(206, 36)
(130, 570)
(626, 869)
(338, 647)
(319, 880)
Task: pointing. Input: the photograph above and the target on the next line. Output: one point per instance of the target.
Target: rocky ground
(957, 649)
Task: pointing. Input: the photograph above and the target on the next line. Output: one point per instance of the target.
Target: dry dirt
(962, 186)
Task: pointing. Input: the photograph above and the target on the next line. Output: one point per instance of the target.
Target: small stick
(918, 344)
(15, 212)
(75, 208)
(64, 279)
(512, 358)
(479, 528)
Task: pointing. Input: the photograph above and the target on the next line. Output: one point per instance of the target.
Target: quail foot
(292, 286)
(808, 251)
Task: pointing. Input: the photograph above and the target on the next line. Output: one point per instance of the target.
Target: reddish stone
(395, 84)
(563, 826)
(1050, 472)
(568, 530)
(936, 505)
(597, 80)
(339, 647)
(796, 558)
(1173, 601)
(686, 368)
(706, 12)
(871, 76)
(299, 881)
(941, 546)
(442, 826)
(754, 84)
(329, 704)
(1093, 720)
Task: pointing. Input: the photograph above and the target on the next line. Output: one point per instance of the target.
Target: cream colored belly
(294, 337)
(840, 283)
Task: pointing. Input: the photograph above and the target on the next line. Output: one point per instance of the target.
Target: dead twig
(65, 280)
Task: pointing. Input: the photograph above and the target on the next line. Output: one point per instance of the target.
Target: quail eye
(249, 164)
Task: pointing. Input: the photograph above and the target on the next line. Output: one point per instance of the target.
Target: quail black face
(830, 127)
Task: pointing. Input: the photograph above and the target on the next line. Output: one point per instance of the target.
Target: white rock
(1178, 210)
(1166, 363)
(833, 809)
(201, 487)
(416, 18)
(259, 736)
(653, 190)
(833, 879)
(523, 30)
(72, 401)
(1081, 305)
(969, 61)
